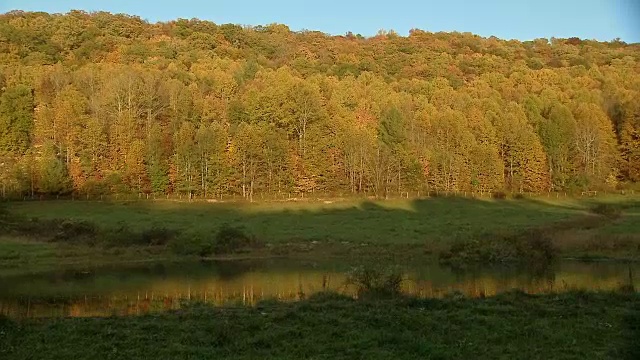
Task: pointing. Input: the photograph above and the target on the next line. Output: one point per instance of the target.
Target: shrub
(75, 231)
(226, 240)
(124, 236)
(157, 236)
(534, 247)
(609, 210)
(229, 239)
(192, 243)
(375, 282)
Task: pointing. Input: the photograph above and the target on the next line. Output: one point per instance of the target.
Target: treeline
(100, 103)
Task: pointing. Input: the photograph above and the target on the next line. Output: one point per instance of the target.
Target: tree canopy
(97, 103)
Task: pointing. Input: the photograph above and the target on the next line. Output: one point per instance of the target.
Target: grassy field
(509, 326)
(23, 256)
(328, 326)
(330, 228)
(391, 221)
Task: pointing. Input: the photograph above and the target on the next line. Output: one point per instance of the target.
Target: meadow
(399, 221)
(329, 326)
(603, 227)
(43, 235)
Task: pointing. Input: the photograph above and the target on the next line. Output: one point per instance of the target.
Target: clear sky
(508, 19)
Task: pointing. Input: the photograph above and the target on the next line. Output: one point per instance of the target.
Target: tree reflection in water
(162, 287)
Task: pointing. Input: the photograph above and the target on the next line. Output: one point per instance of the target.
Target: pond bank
(20, 255)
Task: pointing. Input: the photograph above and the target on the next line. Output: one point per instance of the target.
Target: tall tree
(16, 119)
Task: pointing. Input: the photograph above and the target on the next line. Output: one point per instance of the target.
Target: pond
(140, 289)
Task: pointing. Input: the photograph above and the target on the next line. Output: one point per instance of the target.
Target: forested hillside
(101, 103)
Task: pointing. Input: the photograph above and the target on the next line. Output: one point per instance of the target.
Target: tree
(204, 109)
(156, 160)
(595, 144)
(630, 143)
(452, 143)
(70, 120)
(303, 108)
(16, 119)
(524, 159)
(392, 137)
(186, 159)
(54, 178)
(248, 143)
(558, 135)
(211, 142)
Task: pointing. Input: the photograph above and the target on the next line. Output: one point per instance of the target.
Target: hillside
(96, 103)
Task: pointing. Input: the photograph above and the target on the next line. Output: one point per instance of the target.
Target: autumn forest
(95, 103)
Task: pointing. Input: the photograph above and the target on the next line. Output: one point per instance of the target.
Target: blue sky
(509, 19)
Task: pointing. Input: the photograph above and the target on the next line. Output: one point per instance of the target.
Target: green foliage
(54, 178)
(124, 236)
(16, 119)
(391, 129)
(157, 236)
(377, 116)
(530, 247)
(229, 239)
(75, 231)
(371, 283)
(159, 178)
(226, 240)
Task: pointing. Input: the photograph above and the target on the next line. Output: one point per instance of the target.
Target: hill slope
(98, 103)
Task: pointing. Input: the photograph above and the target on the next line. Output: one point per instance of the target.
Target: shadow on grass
(373, 220)
(432, 222)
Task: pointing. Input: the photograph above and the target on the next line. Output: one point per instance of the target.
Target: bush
(533, 247)
(124, 236)
(609, 210)
(192, 243)
(57, 230)
(375, 283)
(229, 239)
(226, 240)
(75, 231)
(157, 236)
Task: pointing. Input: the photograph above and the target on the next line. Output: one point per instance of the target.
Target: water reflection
(161, 287)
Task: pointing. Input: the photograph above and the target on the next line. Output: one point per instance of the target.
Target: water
(141, 289)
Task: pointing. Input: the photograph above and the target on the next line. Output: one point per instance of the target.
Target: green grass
(604, 237)
(20, 255)
(393, 221)
(509, 326)
(628, 224)
(343, 228)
